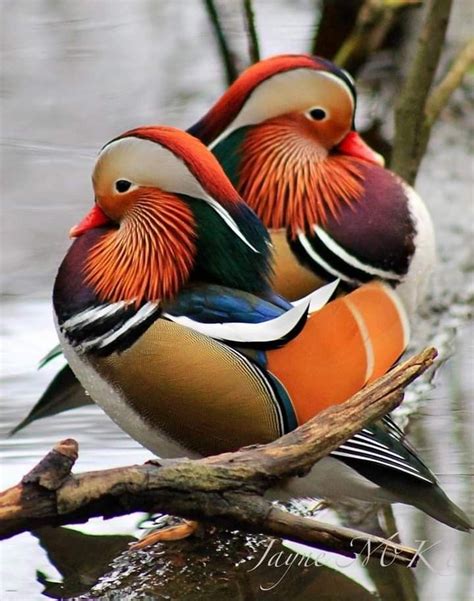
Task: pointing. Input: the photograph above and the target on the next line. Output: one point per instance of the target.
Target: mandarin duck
(166, 315)
(284, 134)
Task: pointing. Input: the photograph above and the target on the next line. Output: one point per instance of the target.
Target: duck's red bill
(354, 145)
(95, 218)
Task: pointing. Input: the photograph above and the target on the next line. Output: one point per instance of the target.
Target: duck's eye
(317, 114)
(122, 185)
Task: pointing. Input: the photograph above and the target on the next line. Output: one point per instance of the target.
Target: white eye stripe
(148, 163)
(282, 93)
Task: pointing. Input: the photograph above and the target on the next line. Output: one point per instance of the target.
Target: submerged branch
(225, 489)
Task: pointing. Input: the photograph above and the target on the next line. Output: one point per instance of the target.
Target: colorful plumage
(284, 133)
(165, 314)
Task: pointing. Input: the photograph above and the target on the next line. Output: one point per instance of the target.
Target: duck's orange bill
(95, 218)
(354, 145)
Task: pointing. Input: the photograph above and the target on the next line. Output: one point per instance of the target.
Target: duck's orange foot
(172, 533)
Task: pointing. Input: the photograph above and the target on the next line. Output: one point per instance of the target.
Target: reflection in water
(230, 566)
(74, 75)
(80, 559)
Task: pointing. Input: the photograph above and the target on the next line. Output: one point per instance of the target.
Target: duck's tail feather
(439, 506)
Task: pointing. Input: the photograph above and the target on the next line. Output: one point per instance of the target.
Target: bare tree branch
(442, 92)
(333, 24)
(224, 489)
(252, 36)
(374, 20)
(411, 128)
(225, 52)
(372, 15)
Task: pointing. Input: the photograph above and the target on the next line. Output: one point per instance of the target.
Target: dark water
(75, 74)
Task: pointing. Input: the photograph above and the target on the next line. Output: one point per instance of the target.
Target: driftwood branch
(412, 128)
(224, 489)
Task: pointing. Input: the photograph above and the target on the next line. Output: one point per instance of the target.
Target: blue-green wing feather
(219, 304)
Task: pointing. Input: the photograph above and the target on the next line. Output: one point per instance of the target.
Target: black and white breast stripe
(329, 260)
(112, 327)
(363, 446)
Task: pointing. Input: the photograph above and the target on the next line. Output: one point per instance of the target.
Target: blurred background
(76, 74)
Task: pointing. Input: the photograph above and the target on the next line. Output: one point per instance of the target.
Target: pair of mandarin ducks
(194, 305)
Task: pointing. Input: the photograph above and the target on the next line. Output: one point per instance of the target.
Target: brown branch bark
(374, 20)
(372, 15)
(333, 24)
(412, 130)
(224, 489)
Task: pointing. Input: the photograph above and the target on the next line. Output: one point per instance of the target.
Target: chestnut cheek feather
(149, 257)
(290, 181)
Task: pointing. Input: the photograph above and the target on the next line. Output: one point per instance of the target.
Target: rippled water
(75, 74)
